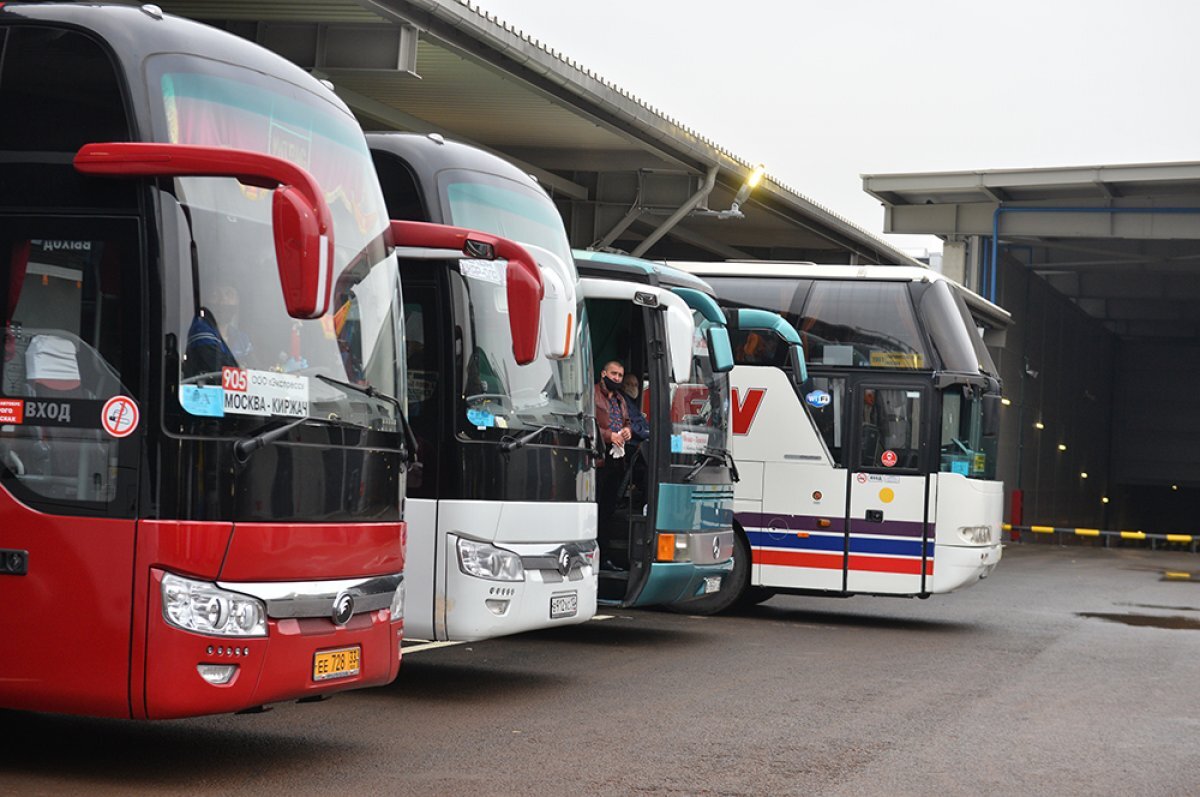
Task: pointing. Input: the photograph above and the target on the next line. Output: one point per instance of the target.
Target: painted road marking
(422, 644)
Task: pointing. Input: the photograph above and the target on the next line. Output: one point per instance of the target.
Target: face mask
(610, 385)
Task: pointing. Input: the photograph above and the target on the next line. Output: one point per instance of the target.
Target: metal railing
(1180, 539)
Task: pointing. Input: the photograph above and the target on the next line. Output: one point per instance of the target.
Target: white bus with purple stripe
(877, 476)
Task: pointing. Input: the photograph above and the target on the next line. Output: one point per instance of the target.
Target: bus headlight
(487, 561)
(397, 608)
(976, 535)
(207, 609)
(674, 547)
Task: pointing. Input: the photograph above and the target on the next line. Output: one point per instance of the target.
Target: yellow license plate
(340, 663)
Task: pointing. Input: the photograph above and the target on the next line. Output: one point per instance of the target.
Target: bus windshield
(481, 201)
(500, 396)
(239, 352)
(699, 406)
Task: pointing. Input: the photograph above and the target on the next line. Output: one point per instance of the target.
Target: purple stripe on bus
(837, 525)
(756, 520)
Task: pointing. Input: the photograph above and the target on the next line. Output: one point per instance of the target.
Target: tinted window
(862, 324)
(891, 428)
(64, 318)
(950, 332)
(62, 86)
(783, 296)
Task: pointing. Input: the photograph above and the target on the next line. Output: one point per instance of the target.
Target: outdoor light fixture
(1174, 486)
(1062, 446)
(739, 199)
(1083, 474)
(1039, 425)
(1006, 401)
(1104, 499)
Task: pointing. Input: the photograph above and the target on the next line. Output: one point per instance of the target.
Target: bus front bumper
(678, 582)
(958, 566)
(299, 658)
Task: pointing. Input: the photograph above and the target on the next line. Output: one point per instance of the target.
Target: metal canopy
(617, 167)
(1123, 241)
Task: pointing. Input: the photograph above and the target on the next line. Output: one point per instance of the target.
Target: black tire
(733, 588)
(756, 595)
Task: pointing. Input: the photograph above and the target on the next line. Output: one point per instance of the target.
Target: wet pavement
(1069, 671)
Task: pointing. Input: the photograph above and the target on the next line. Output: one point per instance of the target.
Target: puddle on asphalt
(1148, 620)
(1160, 608)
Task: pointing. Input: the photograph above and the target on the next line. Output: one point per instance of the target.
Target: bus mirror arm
(302, 225)
(523, 279)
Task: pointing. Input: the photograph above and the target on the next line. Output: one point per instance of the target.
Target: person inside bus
(612, 414)
(638, 425)
(208, 348)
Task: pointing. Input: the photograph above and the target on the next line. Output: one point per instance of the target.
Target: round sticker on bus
(888, 458)
(119, 417)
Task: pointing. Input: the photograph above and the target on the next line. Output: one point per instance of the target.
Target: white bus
(502, 514)
(878, 475)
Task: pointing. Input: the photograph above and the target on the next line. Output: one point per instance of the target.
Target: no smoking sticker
(120, 416)
(888, 458)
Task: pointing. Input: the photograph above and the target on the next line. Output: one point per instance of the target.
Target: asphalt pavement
(1069, 671)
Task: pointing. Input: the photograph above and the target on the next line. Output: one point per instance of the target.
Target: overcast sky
(822, 92)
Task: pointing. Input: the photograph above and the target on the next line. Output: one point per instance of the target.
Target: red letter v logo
(743, 413)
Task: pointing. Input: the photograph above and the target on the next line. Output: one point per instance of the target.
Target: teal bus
(666, 531)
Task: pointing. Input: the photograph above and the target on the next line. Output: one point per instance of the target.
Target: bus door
(70, 431)
(889, 548)
(424, 332)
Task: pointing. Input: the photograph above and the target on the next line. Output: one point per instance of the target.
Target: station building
(1093, 264)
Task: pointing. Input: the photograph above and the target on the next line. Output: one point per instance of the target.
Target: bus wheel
(756, 595)
(732, 590)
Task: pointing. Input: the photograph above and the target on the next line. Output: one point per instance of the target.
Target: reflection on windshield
(497, 393)
(699, 406)
(240, 353)
(522, 213)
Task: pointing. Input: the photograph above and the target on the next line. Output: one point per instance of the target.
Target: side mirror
(302, 225)
(681, 331)
(799, 366)
(991, 414)
(523, 280)
(559, 305)
(301, 253)
(720, 352)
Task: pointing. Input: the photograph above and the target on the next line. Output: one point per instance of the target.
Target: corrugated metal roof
(484, 80)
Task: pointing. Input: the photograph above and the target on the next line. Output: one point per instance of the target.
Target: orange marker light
(824, 523)
(666, 547)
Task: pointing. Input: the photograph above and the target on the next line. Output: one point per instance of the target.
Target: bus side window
(827, 405)
(758, 348)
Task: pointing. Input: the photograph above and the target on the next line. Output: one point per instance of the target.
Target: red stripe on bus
(823, 561)
(872, 564)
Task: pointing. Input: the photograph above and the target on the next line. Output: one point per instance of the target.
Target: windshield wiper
(409, 452)
(510, 443)
(710, 454)
(243, 447)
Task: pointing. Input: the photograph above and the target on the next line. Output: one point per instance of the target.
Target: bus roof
(635, 268)
(984, 310)
(135, 33)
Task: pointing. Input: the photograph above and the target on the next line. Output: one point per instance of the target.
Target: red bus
(202, 441)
